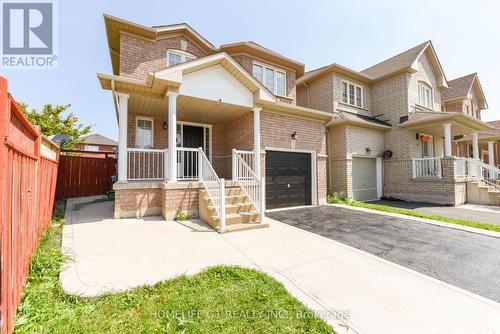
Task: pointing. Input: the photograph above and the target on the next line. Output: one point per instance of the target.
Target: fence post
(3, 222)
(222, 212)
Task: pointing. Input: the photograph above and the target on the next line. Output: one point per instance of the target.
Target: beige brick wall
(131, 203)
(317, 95)
(183, 200)
(247, 63)
(424, 74)
(139, 56)
(398, 183)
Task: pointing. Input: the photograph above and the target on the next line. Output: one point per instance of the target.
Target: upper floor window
(352, 94)
(424, 95)
(177, 57)
(272, 78)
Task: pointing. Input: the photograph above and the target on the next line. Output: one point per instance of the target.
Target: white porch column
(122, 136)
(256, 139)
(172, 135)
(447, 139)
(491, 153)
(475, 146)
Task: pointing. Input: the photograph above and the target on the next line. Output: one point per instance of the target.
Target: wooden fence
(84, 176)
(28, 171)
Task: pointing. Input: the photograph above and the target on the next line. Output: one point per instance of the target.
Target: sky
(354, 33)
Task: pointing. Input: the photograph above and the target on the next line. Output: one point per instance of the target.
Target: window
(144, 133)
(424, 95)
(272, 78)
(269, 82)
(280, 83)
(352, 94)
(257, 72)
(93, 148)
(177, 57)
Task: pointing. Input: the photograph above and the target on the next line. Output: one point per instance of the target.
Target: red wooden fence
(27, 186)
(84, 176)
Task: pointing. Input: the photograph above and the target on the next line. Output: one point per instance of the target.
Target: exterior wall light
(294, 136)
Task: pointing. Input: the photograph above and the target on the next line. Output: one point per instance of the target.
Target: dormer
(276, 72)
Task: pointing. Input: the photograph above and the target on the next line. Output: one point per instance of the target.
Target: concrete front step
(237, 218)
(235, 208)
(244, 227)
(481, 193)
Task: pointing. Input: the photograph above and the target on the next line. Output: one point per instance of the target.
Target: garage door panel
(288, 179)
(364, 179)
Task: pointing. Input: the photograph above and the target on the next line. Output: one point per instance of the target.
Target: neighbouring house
(101, 145)
(212, 132)
(403, 109)
(489, 145)
(224, 133)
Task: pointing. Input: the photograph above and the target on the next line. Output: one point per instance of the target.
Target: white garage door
(364, 178)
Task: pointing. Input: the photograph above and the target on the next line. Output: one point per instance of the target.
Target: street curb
(423, 220)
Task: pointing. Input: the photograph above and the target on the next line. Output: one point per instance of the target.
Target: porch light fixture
(294, 136)
(368, 150)
(165, 125)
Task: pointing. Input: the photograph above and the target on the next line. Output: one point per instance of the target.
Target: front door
(192, 137)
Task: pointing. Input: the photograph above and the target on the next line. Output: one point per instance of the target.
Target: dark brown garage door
(288, 179)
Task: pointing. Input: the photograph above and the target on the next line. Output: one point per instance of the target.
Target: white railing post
(262, 198)
(414, 167)
(222, 213)
(200, 164)
(166, 176)
(439, 168)
(234, 166)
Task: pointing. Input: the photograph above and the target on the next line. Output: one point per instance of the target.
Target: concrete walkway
(479, 213)
(377, 296)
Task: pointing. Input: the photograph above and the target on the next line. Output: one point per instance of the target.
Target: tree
(52, 122)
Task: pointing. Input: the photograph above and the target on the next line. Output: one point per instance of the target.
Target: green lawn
(490, 227)
(218, 300)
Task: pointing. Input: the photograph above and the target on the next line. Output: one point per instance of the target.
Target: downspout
(113, 92)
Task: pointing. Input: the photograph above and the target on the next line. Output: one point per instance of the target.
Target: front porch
(437, 175)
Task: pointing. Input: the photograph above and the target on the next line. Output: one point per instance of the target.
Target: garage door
(288, 179)
(364, 178)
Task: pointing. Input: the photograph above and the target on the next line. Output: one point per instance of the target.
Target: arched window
(424, 95)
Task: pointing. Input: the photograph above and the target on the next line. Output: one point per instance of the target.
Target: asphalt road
(467, 260)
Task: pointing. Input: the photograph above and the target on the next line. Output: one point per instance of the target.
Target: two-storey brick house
(191, 114)
(393, 127)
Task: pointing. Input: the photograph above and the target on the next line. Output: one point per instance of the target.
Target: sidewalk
(331, 278)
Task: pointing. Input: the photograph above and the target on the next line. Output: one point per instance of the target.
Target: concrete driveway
(370, 294)
(480, 213)
(467, 260)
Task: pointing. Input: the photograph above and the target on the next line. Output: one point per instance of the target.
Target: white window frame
(275, 70)
(181, 53)
(422, 88)
(143, 118)
(348, 95)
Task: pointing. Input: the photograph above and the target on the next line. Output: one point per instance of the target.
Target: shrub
(180, 216)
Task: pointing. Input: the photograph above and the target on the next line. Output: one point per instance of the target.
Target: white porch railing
(214, 187)
(426, 168)
(252, 185)
(187, 163)
(146, 164)
(248, 157)
(478, 170)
